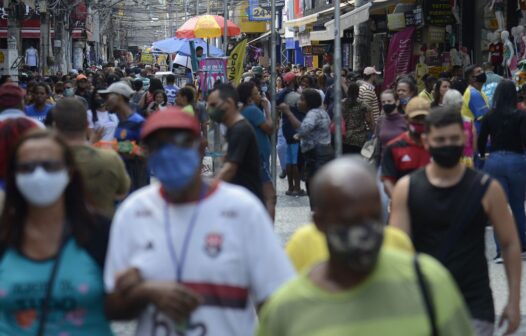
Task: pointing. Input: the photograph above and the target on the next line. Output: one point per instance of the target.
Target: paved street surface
(292, 212)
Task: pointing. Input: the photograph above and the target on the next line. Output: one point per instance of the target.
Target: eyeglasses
(50, 166)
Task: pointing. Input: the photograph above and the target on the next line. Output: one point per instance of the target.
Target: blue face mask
(404, 101)
(175, 166)
(69, 92)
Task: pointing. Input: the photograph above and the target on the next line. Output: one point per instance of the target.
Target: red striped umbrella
(207, 26)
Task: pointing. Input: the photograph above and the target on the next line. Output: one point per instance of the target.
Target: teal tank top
(77, 302)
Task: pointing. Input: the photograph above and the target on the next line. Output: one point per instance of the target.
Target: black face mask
(389, 108)
(446, 156)
(481, 78)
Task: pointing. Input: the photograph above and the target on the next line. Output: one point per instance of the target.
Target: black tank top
(433, 210)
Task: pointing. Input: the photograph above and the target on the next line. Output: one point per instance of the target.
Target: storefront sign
(438, 12)
(256, 12)
(315, 49)
(266, 4)
(304, 39)
(147, 58)
(399, 58)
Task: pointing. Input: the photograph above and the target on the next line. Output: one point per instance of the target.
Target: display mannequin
(32, 58)
(451, 37)
(498, 7)
(508, 53)
(517, 39)
(521, 4)
(496, 49)
(421, 70)
(466, 59)
(455, 10)
(455, 57)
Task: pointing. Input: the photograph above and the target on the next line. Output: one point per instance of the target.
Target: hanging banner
(399, 57)
(235, 62)
(210, 71)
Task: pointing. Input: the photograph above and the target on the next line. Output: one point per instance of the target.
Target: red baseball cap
(289, 77)
(10, 95)
(81, 77)
(170, 118)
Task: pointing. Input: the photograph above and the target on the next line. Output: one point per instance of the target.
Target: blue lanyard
(179, 264)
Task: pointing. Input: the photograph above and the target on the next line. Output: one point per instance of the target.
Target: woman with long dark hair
(52, 249)
(148, 97)
(99, 119)
(506, 126)
(357, 118)
(441, 87)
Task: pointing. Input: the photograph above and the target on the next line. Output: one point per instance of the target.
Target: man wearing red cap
(181, 254)
(12, 103)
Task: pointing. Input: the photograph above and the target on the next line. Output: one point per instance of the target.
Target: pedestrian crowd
(106, 215)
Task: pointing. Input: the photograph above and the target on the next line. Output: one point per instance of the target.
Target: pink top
(468, 129)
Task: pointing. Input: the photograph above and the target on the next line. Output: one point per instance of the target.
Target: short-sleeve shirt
(402, 157)
(104, 175)
(315, 129)
(308, 246)
(475, 105)
(40, 115)
(290, 98)
(256, 117)
(389, 302)
(77, 299)
(224, 264)
(243, 150)
(129, 129)
(171, 92)
(107, 121)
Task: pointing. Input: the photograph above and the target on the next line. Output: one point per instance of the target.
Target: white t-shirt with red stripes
(233, 260)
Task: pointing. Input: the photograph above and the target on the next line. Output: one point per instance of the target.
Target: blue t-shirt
(129, 129)
(40, 115)
(171, 92)
(77, 300)
(256, 117)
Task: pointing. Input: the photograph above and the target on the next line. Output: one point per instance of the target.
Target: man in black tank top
(445, 207)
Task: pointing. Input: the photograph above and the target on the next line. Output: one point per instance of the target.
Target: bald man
(362, 289)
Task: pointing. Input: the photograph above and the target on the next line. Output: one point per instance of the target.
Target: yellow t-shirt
(308, 247)
(189, 109)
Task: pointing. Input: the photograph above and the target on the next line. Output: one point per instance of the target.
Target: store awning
(262, 37)
(350, 19)
(34, 33)
(313, 17)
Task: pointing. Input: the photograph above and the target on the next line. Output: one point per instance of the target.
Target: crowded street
(262, 167)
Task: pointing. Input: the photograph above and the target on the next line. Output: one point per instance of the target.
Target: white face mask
(41, 188)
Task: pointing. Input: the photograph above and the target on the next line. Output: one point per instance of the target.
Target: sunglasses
(49, 166)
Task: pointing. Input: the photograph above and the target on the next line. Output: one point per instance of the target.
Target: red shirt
(403, 156)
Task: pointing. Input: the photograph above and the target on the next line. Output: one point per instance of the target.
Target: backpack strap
(426, 295)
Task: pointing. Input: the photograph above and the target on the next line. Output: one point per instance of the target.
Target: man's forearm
(512, 262)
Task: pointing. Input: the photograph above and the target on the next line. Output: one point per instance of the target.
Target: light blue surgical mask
(69, 92)
(175, 166)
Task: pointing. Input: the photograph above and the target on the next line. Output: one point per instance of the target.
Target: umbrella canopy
(175, 45)
(207, 26)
